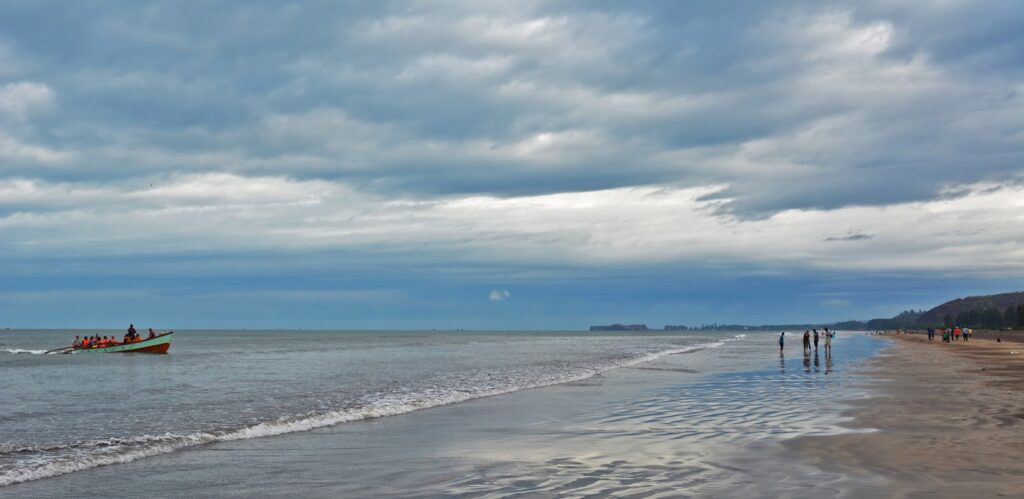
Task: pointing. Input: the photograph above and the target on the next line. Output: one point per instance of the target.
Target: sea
(424, 414)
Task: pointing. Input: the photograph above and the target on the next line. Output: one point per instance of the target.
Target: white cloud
(499, 295)
(13, 148)
(836, 303)
(21, 99)
(629, 226)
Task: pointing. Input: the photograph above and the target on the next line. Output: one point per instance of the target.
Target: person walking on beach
(828, 343)
(815, 340)
(782, 342)
(807, 341)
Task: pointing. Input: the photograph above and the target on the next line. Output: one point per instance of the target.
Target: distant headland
(621, 327)
(999, 311)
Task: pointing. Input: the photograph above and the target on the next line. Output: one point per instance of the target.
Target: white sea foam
(59, 459)
(22, 350)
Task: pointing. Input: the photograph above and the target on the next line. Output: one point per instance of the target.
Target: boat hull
(160, 344)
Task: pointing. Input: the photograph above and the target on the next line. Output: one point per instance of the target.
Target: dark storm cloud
(854, 236)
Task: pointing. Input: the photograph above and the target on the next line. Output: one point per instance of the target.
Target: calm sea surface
(62, 414)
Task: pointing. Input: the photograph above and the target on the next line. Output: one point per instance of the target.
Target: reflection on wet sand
(659, 444)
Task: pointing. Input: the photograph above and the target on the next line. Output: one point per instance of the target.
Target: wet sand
(950, 420)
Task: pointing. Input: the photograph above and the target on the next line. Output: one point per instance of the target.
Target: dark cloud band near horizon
(789, 137)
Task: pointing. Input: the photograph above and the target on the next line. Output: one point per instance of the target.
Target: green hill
(989, 311)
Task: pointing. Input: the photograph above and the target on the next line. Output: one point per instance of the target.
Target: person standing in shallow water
(782, 342)
(815, 340)
(807, 341)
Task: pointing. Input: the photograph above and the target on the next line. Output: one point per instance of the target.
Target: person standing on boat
(131, 331)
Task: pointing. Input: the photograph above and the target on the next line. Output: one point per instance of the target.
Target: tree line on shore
(990, 318)
(999, 311)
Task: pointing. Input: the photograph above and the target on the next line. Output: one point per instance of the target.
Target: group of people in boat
(96, 341)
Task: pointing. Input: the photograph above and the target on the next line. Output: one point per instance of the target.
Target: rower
(77, 343)
(152, 334)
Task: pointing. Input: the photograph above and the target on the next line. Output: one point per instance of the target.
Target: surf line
(153, 445)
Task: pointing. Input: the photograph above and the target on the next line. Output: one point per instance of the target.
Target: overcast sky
(460, 164)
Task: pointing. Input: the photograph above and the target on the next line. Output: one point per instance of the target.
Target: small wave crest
(57, 459)
(22, 350)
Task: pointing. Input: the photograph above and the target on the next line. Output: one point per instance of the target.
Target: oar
(58, 350)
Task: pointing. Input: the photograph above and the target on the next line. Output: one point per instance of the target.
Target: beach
(658, 414)
(680, 415)
(542, 249)
(949, 421)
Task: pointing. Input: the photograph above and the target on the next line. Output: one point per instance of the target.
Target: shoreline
(949, 421)
(703, 423)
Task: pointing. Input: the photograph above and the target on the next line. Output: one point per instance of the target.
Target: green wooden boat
(158, 344)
